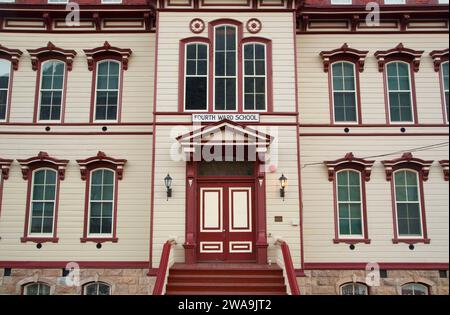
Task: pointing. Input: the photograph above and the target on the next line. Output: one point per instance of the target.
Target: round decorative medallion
(254, 26)
(197, 26)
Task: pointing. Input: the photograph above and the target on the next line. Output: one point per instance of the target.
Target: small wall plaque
(278, 219)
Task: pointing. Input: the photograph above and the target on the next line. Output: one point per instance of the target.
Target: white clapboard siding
(174, 26)
(134, 195)
(318, 211)
(137, 100)
(313, 81)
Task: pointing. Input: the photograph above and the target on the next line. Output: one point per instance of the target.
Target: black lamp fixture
(283, 184)
(168, 183)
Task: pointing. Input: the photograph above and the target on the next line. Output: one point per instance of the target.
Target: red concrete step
(227, 272)
(225, 287)
(228, 278)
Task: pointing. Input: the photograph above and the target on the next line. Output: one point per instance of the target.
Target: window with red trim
(407, 175)
(102, 175)
(224, 72)
(107, 91)
(440, 62)
(5, 82)
(349, 176)
(44, 175)
(445, 89)
(51, 90)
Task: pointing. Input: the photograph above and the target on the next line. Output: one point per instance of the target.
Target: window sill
(39, 240)
(99, 240)
(411, 240)
(352, 241)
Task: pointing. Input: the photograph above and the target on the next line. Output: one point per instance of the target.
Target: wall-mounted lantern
(283, 184)
(168, 183)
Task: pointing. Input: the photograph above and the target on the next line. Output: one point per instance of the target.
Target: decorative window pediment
(51, 51)
(4, 168)
(43, 160)
(409, 162)
(400, 52)
(351, 162)
(11, 54)
(101, 160)
(123, 54)
(344, 53)
(439, 56)
(444, 165)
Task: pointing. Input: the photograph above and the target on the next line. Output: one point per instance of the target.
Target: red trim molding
(439, 56)
(444, 165)
(87, 166)
(82, 264)
(107, 50)
(12, 55)
(4, 168)
(422, 167)
(386, 266)
(28, 166)
(409, 162)
(364, 167)
(343, 53)
(399, 52)
(351, 162)
(51, 52)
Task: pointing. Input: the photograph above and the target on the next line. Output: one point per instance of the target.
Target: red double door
(226, 222)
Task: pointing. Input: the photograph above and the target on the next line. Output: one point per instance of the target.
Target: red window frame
(4, 175)
(344, 54)
(29, 166)
(440, 57)
(421, 167)
(38, 57)
(364, 168)
(99, 54)
(210, 40)
(400, 54)
(13, 56)
(87, 166)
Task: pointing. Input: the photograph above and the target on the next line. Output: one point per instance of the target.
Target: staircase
(225, 279)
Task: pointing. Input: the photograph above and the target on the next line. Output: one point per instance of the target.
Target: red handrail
(162, 270)
(289, 266)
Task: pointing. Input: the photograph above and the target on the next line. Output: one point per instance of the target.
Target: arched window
(43, 202)
(107, 90)
(255, 77)
(101, 202)
(225, 67)
(102, 175)
(97, 288)
(51, 90)
(407, 201)
(445, 89)
(38, 288)
(344, 92)
(354, 289)
(5, 81)
(196, 77)
(399, 92)
(349, 199)
(415, 289)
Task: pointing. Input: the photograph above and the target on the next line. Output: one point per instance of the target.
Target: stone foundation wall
(328, 282)
(122, 281)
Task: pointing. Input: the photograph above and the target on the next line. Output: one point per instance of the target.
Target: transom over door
(226, 222)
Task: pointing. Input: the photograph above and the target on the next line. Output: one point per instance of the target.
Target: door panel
(226, 222)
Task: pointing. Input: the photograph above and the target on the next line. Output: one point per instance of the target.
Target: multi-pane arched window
(354, 289)
(38, 288)
(97, 288)
(399, 92)
(51, 90)
(196, 77)
(408, 204)
(101, 202)
(445, 88)
(5, 81)
(344, 92)
(225, 68)
(43, 202)
(255, 77)
(415, 289)
(349, 200)
(107, 90)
